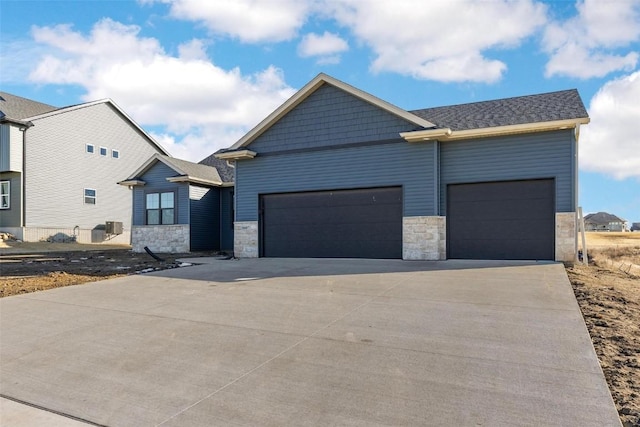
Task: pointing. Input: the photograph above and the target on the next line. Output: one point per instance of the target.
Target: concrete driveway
(308, 342)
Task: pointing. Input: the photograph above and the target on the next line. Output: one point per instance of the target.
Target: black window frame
(160, 209)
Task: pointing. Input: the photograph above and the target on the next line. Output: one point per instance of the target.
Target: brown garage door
(360, 223)
(501, 220)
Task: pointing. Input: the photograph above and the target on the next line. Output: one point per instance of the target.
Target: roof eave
(132, 182)
(426, 135)
(236, 155)
(432, 134)
(21, 123)
(194, 180)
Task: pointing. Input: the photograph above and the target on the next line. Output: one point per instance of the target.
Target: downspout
(576, 190)
(23, 191)
(436, 177)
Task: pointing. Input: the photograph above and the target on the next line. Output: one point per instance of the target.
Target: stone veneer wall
(161, 238)
(245, 242)
(424, 238)
(566, 236)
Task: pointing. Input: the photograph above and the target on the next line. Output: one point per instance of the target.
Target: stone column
(424, 238)
(245, 240)
(566, 236)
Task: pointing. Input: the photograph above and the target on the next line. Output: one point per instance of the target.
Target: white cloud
(200, 106)
(590, 44)
(251, 21)
(610, 143)
(326, 47)
(442, 40)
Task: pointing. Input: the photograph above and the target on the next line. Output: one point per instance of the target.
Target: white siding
(15, 149)
(59, 169)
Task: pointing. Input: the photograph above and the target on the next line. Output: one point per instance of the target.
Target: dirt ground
(607, 290)
(30, 267)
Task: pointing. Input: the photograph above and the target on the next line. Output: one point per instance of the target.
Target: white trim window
(5, 194)
(160, 208)
(103, 151)
(115, 154)
(90, 148)
(90, 196)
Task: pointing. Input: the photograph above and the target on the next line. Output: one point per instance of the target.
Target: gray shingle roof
(225, 171)
(543, 107)
(19, 108)
(194, 170)
(602, 218)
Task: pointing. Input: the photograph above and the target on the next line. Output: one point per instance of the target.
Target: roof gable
(185, 171)
(311, 87)
(112, 104)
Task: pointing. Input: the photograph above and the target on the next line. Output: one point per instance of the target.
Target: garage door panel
(363, 223)
(501, 220)
(490, 210)
(330, 214)
(512, 228)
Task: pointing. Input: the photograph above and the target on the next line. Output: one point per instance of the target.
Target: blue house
(337, 172)
(180, 206)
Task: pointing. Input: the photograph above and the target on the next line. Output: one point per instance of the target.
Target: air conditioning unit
(113, 227)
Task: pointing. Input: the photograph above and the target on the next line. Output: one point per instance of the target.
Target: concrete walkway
(308, 342)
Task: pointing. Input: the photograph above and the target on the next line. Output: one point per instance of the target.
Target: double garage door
(495, 220)
(361, 223)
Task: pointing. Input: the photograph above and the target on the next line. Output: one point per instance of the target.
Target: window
(89, 196)
(161, 208)
(5, 187)
(90, 148)
(103, 151)
(115, 154)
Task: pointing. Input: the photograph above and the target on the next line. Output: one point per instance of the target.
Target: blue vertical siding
(155, 181)
(205, 218)
(394, 164)
(226, 218)
(540, 155)
(12, 217)
(328, 117)
(5, 148)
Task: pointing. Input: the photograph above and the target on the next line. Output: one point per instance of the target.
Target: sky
(197, 75)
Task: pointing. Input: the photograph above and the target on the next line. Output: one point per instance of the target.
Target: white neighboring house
(59, 169)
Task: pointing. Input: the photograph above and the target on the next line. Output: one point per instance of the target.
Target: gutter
(194, 180)
(446, 134)
(236, 155)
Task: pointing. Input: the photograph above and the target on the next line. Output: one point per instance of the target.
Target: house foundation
(161, 238)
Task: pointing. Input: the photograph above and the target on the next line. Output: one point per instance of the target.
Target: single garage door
(501, 220)
(362, 223)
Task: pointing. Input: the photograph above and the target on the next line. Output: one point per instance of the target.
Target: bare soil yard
(607, 290)
(30, 267)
